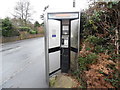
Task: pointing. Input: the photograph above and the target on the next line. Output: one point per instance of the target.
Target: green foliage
(99, 25)
(6, 24)
(33, 32)
(24, 29)
(111, 4)
(8, 29)
(82, 63)
(99, 49)
(91, 21)
(101, 45)
(96, 16)
(111, 66)
(101, 21)
(88, 48)
(114, 80)
(78, 75)
(75, 72)
(89, 59)
(52, 81)
(42, 24)
(80, 47)
(36, 24)
(115, 57)
(0, 27)
(101, 72)
(92, 39)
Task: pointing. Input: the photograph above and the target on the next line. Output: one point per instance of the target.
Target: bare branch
(23, 11)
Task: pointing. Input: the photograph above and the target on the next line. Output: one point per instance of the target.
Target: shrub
(92, 39)
(91, 58)
(15, 33)
(24, 29)
(115, 79)
(96, 40)
(86, 60)
(82, 63)
(88, 48)
(99, 49)
(115, 57)
(33, 32)
(100, 24)
(7, 28)
(36, 24)
(36, 31)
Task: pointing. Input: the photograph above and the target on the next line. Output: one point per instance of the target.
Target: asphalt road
(23, 64)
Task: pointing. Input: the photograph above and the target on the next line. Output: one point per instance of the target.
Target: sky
(7, 7)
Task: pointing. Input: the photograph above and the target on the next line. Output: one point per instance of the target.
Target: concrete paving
(23, 64)
(62, 80)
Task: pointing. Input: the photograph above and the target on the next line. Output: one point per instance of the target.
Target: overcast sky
(7, 6)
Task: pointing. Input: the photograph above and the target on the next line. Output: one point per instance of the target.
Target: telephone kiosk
(61, 40)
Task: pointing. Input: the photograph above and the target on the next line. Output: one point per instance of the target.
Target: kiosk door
(54, 46)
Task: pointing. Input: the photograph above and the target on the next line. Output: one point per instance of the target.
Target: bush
(36, 32)
(86, 60)
(96, 40)
(82, 63)
(33, 32)
(91, 58)
(88, 49)
(115, 80)
(99, 49)
(36, 24)
(24, 29)
(7, 28)
(115, 57)
(92, 39)
(100, 24)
